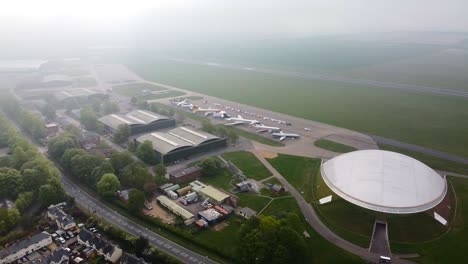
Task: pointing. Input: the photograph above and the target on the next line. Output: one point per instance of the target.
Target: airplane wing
(282, 138)
(235, 123)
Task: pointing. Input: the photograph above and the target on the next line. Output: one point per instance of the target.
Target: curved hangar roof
(384, 181)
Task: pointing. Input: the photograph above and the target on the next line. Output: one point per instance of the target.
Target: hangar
(139, 121)
(384, 181)
(181, 142)
(78, 95)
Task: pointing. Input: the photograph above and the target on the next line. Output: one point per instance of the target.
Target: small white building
(25, 247)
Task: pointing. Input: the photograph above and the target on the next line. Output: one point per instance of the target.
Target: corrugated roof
(214, 193)
(174, 207)
(136, 117)
(77, 92)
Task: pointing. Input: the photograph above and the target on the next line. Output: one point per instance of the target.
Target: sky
(111, 21)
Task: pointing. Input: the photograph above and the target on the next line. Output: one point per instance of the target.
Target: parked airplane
(221, 114)
(239, 120)
(267, 128)
(181, 102)
(197, 109)
(282, 136)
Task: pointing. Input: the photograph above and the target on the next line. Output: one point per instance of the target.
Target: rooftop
(185, 171)
(210, 214)
(136, 117)
(174, 207)
(214, 193)
(24, 244)
(177, 138)
(384, 181)
(78, 92)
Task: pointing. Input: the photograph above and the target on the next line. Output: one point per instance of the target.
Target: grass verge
(249, 164)
(333, 146)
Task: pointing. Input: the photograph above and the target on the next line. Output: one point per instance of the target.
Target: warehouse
(78, 95)
(139, 121)
(216, 196)
(174, 208)
(181, 142)
(185, 174)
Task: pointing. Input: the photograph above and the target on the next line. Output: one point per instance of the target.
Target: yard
(221, 180)
(299, 171)
(253, 201)
(333, 146)
(249, 164)
(145, 91)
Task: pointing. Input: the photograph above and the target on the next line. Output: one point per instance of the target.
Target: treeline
(27, 120)
(25, 176)
(220, 131)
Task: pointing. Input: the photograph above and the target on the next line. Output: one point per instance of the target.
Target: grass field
(451, 248)
(438, 122)
(299, 171)
(249, 164)
(333, 146)
(253, 201)
(433, 162)
(221, 180)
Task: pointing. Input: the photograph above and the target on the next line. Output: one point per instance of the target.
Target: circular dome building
(384, 181)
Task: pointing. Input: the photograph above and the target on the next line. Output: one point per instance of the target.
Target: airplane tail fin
(240, 117)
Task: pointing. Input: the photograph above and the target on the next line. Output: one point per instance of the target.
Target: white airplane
(282, 136)
(267, 128)
(306, 129)
(221, 114)
(197, 109)
(181, 102)
(189, 106)
(239, 120)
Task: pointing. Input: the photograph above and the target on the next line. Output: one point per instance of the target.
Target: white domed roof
(384, 181)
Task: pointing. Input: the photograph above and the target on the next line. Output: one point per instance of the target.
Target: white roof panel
(384, 181)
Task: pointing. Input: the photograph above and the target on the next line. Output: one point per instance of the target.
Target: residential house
(110, 252)
(25, 247)
(62, 219)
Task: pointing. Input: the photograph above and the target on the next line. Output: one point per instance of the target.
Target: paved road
(101, 210)
(314, 221)
(435, 153)
(325, 77)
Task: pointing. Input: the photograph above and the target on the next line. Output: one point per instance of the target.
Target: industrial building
(139, 121)
(384, 181)
(216, 196)
(77, 95)
(181, 142)
(174, 207)
(185, 175)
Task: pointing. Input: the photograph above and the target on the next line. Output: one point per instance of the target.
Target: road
(101, 210)
(325, 77)
(313, 220)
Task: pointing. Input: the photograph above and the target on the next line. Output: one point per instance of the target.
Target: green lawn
(221, 180)
(135, 89)
(249, 164)
(333, 146)
(253, 201)
(450, 248)
(431, 161)
(193, 97)
(299, 171)
(434, 121)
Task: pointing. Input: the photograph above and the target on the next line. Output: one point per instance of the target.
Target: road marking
(184, 254)
(193, 259)
(167, 246)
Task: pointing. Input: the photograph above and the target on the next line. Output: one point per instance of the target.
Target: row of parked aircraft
(239, 120)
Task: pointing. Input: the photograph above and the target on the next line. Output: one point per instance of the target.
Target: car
(80, 225)
(70, 234)
(306, 129)
(60, 240)
(67, 249)
(288, 124)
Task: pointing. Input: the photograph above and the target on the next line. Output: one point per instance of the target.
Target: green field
(299, 171)
(333, 146)
(249, 164)
(254, 137)
(438, 122)
(221, 180)
(431, 161)
(450, 248)
(253, 201)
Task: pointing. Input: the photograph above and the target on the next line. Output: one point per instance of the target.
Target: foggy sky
(90, 22)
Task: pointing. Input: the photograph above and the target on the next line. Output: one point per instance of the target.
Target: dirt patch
(220, 226)
(160, 213)
(268, 154)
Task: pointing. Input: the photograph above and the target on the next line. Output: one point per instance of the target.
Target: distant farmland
(438, 122)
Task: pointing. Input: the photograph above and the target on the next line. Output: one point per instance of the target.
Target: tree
(67, 156)
(33, 124)
(136, 200)
(59, 144)
(108, 185)
(122, 133)
(104, 168)
(110, 107)
(19, 157)
(210, 167)
(8, 219)
(141, 244)
(146, 153)
(88, 119)
(208, 127)
(47, 195)
(150, 188)
(136, 175)
(120, 160)
(11, 183)
(49, 112)
(24, 200)
(134, 100)
(33, 179)
(82, 166)
(160, 170)
(232, 136)
(74, 130)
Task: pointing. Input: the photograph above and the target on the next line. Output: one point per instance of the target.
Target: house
(243, 186)
(61, 256)
(63, 220)
(277, 189)
(24, 247)
(185, 175)
(110, 252)
(6, 203)
(246, 212)
(210, 215)
(52, 129)
(89, 140)
(123, 195)
(131, 259)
